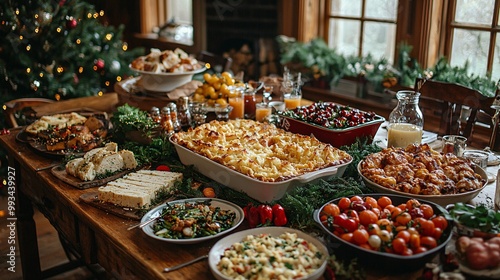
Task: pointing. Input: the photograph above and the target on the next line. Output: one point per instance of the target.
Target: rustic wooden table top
(101, 237)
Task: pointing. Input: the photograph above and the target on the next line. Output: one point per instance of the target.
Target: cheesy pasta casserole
(260, 150)
(418, 169)
(266, 257)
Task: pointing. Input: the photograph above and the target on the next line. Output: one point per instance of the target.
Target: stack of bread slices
(138, 189)
(101, 161)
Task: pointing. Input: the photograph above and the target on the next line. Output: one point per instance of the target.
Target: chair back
(13, 109)
(217, 63)
(459, 108)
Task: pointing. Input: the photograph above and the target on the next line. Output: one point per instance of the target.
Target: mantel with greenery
(316, 60)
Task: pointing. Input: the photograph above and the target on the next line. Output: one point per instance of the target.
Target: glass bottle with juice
(238, 103)
(406, 121)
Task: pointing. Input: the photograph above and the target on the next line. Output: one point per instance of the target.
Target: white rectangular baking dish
(264, 192)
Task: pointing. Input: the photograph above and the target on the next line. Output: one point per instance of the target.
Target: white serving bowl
(218, 249)
(165, 82)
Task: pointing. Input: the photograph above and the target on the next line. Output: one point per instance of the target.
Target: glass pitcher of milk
(406, 121)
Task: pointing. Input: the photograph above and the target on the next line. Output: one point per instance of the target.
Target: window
(179, 21)
(469, 34)
(473, 36)
(362, 27)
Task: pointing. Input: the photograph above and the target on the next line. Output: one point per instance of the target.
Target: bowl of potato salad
(266, 252)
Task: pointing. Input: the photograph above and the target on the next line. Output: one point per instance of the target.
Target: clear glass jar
(183, 113)
(406, 121)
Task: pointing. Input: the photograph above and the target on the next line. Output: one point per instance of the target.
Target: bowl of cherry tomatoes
(386, 231)
(331, 123)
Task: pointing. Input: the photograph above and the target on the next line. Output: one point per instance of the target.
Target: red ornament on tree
(99, 64)
(71, 24)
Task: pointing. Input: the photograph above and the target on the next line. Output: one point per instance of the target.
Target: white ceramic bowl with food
(225, 243)
(165, 82)
(223, 204)
(442, 200)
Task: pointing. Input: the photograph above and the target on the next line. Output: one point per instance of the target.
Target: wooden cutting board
(60, 172)
(123, 212)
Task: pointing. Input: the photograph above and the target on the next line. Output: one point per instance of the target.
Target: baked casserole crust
(260, 150)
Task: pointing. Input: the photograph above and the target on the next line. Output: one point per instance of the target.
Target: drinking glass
(222, 112)
(238, 104)
(292, 101)
(262, 111)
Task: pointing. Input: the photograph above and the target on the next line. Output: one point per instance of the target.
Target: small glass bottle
(183, 113)
(406, 121)
(155, 114)
(166, 120)
(173, 114)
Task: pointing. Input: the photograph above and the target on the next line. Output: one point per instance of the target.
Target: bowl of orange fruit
(217, 88)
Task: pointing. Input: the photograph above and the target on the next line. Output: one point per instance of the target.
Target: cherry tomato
(420, 250)
(412, 203)
(437, 233)
(440, 222)
(360, 236)
(399, 245)
(407, 252)
(373, 229)
(367, 217)
(403, 218)
(384, 224)
(427, 228)
(385, 235)
(427, 210)
(414, 241)
(384, 201)
(331, 209)
(372, 202)
(356, 198)
(347, 236)
(395, 212)
(428, 242)
(344, 203)
(405, 235)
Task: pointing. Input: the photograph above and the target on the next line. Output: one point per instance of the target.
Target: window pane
(381, 9)
(344, 36)
(477, 11)
(471, 46)
(346, 8)
(180, 11)
(495, 74)
(379, 40)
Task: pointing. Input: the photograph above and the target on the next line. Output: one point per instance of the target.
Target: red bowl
(335, 137)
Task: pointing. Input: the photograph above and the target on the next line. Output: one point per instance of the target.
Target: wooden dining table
(99, 237)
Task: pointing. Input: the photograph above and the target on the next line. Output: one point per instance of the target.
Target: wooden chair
(15, 109)
(458, 109)
(217, 63)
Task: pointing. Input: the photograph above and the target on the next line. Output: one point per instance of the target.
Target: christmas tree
(59, 50)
